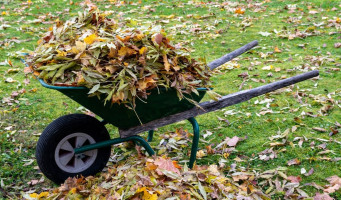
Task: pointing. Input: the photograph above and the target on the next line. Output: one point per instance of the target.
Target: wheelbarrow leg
(195, 141)
(150, 135)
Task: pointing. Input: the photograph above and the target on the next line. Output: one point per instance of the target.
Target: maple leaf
(126, 51)
(239, 11)
(146, 82)
(166, 164)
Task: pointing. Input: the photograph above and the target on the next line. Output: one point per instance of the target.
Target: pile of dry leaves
(151, 179)
(115, 59)
(132, 175)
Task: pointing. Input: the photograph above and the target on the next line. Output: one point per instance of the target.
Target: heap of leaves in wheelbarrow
(115, 59)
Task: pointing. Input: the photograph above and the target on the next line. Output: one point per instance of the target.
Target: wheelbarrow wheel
(54, 152)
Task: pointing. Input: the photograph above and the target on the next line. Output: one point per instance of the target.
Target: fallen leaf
(233, 141)
(319, 129)
(239, 11)
(91, 39)
(294, 179)
(166, 164)
(277, 50)
(294, 162)
(323, 196)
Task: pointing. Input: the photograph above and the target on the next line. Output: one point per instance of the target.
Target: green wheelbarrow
(79, 144)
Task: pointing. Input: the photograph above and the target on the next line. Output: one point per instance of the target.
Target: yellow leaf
(34, 195)
(138, 37)
(148, 196)
(142, 189)
(43, 194)
(338, 20)
(126, 51)
(143, 50)
(91, 39)
(170, 16)
(3, 13)
(73, 190)
(269, 67)
(61, 53)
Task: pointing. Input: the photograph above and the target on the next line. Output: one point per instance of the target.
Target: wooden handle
(216, 63)
(223, 102)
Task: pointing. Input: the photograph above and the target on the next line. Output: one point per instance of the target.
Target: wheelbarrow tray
(160, 103)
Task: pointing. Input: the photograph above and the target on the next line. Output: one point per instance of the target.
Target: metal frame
(142, 142)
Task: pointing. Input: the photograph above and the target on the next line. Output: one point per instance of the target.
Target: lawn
(297, 127)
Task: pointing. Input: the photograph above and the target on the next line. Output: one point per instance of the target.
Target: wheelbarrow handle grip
(216, 63)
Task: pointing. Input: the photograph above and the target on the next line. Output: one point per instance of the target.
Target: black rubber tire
(59, 129)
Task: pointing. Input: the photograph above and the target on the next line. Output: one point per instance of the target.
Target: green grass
(22, 121)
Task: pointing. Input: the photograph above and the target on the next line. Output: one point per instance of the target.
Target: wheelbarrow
(79, 144)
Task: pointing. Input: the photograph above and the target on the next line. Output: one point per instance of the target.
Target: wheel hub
(70, 162)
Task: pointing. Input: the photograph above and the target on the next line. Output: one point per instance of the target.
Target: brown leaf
(334, 131)
(319, 129)
(158, 38)
(224, 120)
(244, 75)
(166, 63)
(294, 162)
(209, 149)
(294, 179)
(324, 196)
